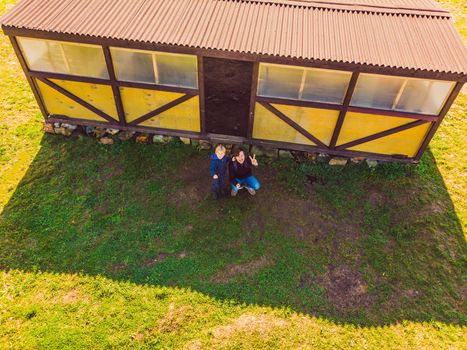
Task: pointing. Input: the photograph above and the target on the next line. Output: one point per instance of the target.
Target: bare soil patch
(161, 257)
(248, 268)
(248, 323)
(345, 288)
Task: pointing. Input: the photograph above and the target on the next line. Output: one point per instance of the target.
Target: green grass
(119, 247)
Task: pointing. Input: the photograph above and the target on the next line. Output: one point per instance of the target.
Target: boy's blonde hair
(220, 148)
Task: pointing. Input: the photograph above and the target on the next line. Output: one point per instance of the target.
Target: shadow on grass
(353, 245)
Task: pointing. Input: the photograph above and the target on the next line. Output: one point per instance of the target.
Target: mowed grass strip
(121, 247)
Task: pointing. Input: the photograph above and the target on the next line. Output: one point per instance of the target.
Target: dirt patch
(118, 267)
(139, 337)
(176, 317)
(250, 323)
(345, 288)
(161, 257)
(73, 296)
(248, 268)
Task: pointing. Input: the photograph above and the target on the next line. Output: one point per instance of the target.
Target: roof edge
(249, 56)
(357, 7)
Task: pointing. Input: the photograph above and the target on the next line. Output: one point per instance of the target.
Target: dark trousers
(218, 185)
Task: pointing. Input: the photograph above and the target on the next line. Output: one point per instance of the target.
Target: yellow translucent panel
(359, 125)
(138, 102)
(318, 122)
(406, 142)
(267, 126)
(99, 96)
(58, 104)
(184, 116)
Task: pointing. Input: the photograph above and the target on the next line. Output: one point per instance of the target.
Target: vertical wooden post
(347, 99)
(32, 84)
(254, 87)
(435, 125)
(115, 87)
(202, 102)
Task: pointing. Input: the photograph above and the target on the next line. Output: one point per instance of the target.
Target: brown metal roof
(412, 34)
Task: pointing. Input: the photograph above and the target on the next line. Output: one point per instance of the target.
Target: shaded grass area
(354, 248)
(119, 247)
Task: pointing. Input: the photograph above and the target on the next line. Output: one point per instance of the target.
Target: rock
(99, 132)
(112, 131)
(322, 158)
(69, 126)
(357, 160)
(89, 130)
(143, 138)
(339, 161)
(63, 131)
(371, 163)
(58, 130)
(49, 128)
(185, 140)
(106, 141)
(126, 135)
(311, 157)
(161, 139)
(206, 145)
(299, 156)
(57, 125)
(285, 154)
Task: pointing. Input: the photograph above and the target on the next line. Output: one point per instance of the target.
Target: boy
(219, 163)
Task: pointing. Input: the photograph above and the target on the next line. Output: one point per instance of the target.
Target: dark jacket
(218, 166)
(239, 171)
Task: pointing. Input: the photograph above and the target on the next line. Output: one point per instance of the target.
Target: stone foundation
(107, 136)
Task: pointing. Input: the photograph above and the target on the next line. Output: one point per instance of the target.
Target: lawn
(121, 247)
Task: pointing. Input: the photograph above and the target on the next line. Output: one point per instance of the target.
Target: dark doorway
(227, 85)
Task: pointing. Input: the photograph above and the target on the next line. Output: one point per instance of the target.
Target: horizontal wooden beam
(382, 134)
(299, 103)
(335, 152)
(77, 99)
(148, 86)
(90, 80)
(293, 124)
(162, 109)
(60, 76)
(367, 110)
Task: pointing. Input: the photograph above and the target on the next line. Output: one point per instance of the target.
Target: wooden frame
(77, 99)
(340, 119)
(113, 81)
(265, 101)
(293, 124)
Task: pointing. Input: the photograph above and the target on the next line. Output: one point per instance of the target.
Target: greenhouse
(344, 77)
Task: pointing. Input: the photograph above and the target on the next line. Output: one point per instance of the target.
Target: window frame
(405, 81)
(305, 71)
(63, 56)
(155, 69)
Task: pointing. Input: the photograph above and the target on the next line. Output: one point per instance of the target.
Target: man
(241, 174)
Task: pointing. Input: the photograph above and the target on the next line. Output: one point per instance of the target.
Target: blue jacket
(218, 166)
